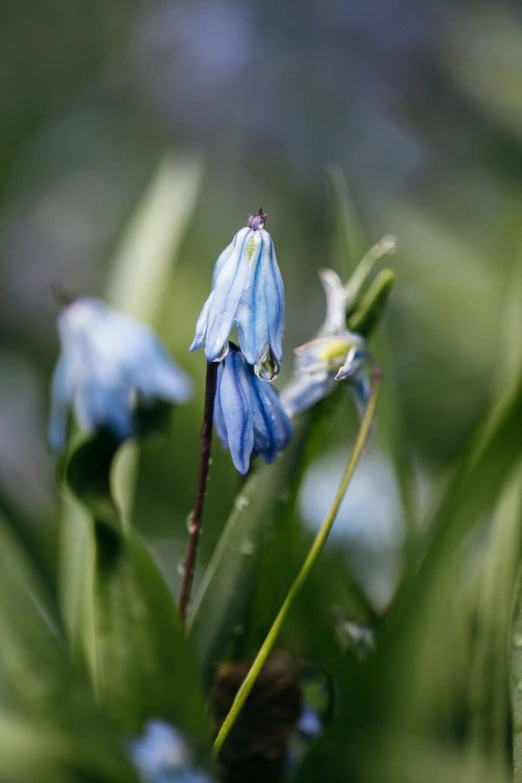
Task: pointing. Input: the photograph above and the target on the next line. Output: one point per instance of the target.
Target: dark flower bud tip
(258, 221)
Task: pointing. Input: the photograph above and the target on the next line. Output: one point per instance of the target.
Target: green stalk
(317, 546)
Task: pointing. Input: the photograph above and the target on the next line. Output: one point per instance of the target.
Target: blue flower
(337, 354)
(247, 291)
(249, 418)
(309, 727)
(109, 364)
(161, 755)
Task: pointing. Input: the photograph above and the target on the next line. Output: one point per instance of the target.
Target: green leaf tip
(371, 307)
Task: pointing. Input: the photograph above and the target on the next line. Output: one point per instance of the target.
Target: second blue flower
(249, 418)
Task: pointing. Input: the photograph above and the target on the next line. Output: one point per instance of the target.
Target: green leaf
(38, 547)
(371, 307)
(50, 728)
(139, 660)
(489, 663)
(349, 227)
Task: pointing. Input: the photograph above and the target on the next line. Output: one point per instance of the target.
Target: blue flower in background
(109, 363)
(161, 755)
(309, 727)
(247, 291)
(249, 418)
(336, 355)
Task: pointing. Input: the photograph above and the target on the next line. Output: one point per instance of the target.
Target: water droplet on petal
(223, 353)
(268, 368)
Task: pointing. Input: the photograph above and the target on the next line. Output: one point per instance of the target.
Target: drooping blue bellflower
(337, 354)
(249, 418)
(247, 291)
(162, 755)
(108, 366)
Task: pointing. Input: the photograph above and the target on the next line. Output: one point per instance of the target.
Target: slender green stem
(307, 566)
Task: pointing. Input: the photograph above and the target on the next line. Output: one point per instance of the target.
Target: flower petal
(251, 321)
(228, 290)
(222, 259)
(272, 427)
(62, 392)
(201, 325)
(355, 359)
(163, 380)
(275, 301)
(334, 290)
(219, 418)
(361, 387)
(236, 404)
(261, 313)
(305, 391)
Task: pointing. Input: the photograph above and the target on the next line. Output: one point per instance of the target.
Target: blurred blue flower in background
(337, 354)
(309, 727)
(249, 418)
(161, 755)
(247, 291)
(109, 364)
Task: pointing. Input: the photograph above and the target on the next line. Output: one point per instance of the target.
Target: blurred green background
(225, 106)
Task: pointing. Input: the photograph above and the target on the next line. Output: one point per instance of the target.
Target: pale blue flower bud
(247, 292)
(109, 365)
(249, 418)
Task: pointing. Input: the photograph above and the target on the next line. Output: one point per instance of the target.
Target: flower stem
(307, 566)
(201, 487)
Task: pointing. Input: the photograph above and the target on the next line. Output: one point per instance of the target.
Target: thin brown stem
(201, 487)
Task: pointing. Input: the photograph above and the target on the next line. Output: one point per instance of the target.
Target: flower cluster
(110, 364)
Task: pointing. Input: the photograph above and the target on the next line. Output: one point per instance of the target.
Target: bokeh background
(225, 106)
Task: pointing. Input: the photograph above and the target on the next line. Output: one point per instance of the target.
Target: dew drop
(224, 352)
(181, 567)
(267, 369)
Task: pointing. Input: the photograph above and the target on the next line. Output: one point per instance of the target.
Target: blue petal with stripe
(261, 313)
(248, 415)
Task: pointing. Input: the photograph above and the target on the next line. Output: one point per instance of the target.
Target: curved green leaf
(50, 728)
(139, 660)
